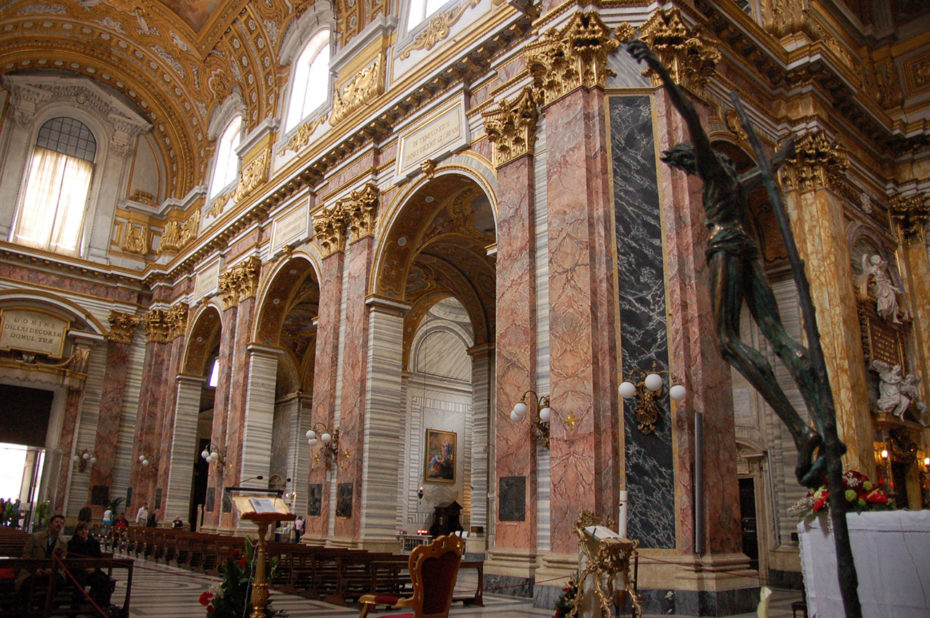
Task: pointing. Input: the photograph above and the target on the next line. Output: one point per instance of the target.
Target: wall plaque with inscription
(436, 135)
(512, 498)
(881, 340)
(292, 226)
(33, 330)
(208, 280)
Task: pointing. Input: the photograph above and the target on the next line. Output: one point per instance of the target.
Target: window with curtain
(227, 160)
(421, 9)
(311, 80)
(51, 215)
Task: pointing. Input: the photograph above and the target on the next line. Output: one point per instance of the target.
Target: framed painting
(439, 461)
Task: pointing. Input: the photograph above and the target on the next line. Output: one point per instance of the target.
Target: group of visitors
(10, 512)
(49, 543)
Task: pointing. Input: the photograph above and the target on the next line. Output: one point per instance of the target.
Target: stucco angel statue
(891, 397)
(909, 387)
(875, 269)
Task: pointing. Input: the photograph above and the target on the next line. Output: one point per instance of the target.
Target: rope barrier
(57, 558)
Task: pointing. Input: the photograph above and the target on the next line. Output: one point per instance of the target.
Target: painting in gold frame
(439, 461)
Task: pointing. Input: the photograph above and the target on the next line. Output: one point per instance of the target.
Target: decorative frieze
(511, 127)
(361, 211)
(240, 282)
(815, 164)
(571, 57)
(690, 57)
(909, 214)
(178, 233)
(156, 326)
(438, 28)
(122, 326)
(302, 137)
(362, 89)
(329, 225)
(252, 175)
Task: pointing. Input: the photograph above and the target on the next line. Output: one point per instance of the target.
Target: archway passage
(24, 415)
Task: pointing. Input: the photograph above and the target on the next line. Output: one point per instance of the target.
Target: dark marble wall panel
(649, 462)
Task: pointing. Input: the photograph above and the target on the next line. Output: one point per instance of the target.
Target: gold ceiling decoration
(437, 29)
(511, 127)
(687, 52)
(571, 57)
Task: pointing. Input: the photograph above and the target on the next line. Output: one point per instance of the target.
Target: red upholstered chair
(433, 569)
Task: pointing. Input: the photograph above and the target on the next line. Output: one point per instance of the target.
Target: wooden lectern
(263, 511)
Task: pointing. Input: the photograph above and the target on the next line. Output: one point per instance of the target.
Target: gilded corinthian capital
(571, 57)
(122, 326)
(176, 319)
(815, 164)
(512, 127)
(909, 214)
(329, 229)
(360, 208)
(240, 282)
(690, 57)
(156, 327)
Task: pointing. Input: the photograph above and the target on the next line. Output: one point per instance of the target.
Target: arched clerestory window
(227, 159)
(51, 212)
(310, 82)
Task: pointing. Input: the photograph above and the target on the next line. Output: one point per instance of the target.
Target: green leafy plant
(231, 598)
(41, 515)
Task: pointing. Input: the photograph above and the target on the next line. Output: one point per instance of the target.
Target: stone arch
(56, 304)
(202, 339)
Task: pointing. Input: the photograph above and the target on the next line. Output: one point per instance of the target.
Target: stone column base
(380, 544)
(510, 571)
(689, 585)
(553, 574)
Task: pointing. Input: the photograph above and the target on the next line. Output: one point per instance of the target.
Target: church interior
(418, 267)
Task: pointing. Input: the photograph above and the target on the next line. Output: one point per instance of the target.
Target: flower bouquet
(565, 605)
(860, 493)
(231, 597)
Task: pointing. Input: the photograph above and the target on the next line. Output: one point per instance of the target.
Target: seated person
(42, 545)
(84, 545)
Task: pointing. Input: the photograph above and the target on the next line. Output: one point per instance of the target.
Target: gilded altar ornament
(909, 214)
(511, 128)
(438, 28)
(608, 557)
(569, 58)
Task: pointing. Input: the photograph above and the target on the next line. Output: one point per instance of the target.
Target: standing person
(82, 544)
(298, 528)
(108, 517)
(178, 522)
(43, 545)
(16, 513)
(85, 514)
(142, 515)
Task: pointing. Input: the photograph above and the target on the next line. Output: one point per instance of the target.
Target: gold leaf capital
(511, 127)
(122, 326)
(909, 214)
(815, 164)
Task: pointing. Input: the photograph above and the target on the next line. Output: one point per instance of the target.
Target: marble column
(812, 179)
(326, 367)
(482, 368)
(119, 342)
(383, 425)
(168, 410)
(511, 128)
(66, 445)
(183, 445)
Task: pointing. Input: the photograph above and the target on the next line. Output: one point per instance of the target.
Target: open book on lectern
(260, 505)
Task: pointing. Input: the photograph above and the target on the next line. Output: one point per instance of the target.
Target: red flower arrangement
(230, 598)
(859, 491)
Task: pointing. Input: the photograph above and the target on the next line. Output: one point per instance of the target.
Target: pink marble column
(516, 345)
(354, 381)
(238, 393)
(65, 444)
(111, 411)
(693, 354)
(324, 376)
(165, 423)
(583, 463)
(142, 478)
(218, 433)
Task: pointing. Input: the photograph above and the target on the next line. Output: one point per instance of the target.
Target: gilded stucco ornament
(134, 240)
(329, 230)
(361, 211)
(781, 17)
(302, 137)
(571, 57)
(176, 319)
(909, 214)
(122, 326)
(240, 282)
(511, 127)
(156, 327)
(361, 90)
(690, 56)
(177, 233)
(437, 29)
(815, 164)
(229, 295)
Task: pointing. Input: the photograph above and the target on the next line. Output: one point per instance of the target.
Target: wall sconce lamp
(330, 444)
(214, 455)
(543, 414)
(84, 460)
(648, 388)
(146, 461)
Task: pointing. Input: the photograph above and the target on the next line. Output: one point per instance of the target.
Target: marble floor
(160, 591)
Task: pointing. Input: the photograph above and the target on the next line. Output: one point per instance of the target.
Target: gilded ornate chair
(433, 569)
